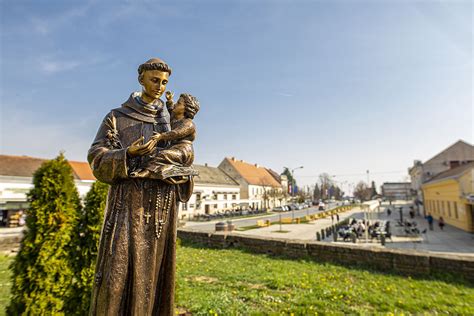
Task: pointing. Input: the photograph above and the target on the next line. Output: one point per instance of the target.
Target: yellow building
(451, 195)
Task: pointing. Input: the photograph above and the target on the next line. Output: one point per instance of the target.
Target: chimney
(256, 165)
(205, 165)
(233, 158)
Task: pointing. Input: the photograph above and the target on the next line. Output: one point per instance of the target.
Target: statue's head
(153, 76)
(188, 104)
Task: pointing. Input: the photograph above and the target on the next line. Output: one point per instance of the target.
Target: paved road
(242, 222)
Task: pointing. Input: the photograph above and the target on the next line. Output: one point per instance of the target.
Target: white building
(397, 190)
(214, 191)
(16, 180)
(258, 188)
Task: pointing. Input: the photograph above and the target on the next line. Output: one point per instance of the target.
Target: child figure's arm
(184, 129)
(169, 100)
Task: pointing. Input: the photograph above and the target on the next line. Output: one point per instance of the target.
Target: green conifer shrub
(85, 246)
(42, 273)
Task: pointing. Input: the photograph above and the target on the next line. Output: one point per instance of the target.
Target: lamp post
(292, 186)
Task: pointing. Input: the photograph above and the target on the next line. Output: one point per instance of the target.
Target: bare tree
(362, 191)
(325, 182)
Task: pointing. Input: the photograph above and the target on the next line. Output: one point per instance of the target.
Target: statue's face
(179, 109)
(154, 83)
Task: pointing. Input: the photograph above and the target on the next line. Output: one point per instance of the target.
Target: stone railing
(409, 262)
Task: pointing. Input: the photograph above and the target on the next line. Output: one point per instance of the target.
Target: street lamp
(292, 189)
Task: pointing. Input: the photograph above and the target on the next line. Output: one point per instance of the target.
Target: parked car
(321, 206)
(278, 209)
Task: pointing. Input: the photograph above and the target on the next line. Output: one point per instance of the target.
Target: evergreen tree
(42, 273)
(373, 190)
(291, 180)
(84, 248)
(316, 193)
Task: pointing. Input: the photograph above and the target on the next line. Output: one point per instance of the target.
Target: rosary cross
(147, 217)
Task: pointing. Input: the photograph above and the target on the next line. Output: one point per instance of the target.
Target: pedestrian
(332, 218)
(429, 218)
(389, 211)
(337, 217)
(441, 222)
(412, 212)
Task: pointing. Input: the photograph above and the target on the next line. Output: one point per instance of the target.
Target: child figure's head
(187, 106)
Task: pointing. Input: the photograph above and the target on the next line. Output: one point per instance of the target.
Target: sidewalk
(7, 232)
(451, 240)
(300, 231)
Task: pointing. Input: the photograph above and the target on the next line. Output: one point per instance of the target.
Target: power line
(355, 174)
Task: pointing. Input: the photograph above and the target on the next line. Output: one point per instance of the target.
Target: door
(470, 216)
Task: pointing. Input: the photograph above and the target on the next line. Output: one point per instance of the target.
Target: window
(191, 205)
(184, 206)
(438, 209)
(449, 208)
(225, 205)
(225, 196)
(214, 196)
(456, 215)
(443, 209)
(215, 205)
(234, 196)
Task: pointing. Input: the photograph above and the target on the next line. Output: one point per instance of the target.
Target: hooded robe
(135, 271)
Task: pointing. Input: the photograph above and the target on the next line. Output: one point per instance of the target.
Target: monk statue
(135, 271)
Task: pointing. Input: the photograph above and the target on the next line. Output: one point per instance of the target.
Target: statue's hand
(169, 95)
(137, 148)
(156, 137)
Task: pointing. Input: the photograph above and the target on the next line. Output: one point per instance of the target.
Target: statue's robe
(135, 272)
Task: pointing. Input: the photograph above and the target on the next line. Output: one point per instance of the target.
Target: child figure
(183, 132)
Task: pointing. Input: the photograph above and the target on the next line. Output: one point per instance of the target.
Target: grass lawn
(5, 282)
(236, 282)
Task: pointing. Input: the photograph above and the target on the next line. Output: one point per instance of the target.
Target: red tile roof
(24, 166)
(82, 170)
(253, 174)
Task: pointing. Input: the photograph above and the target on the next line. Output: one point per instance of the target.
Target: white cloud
(51, 67)
(45, 26)
(285, 94)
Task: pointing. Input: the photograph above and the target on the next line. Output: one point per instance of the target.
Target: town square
(236, 158)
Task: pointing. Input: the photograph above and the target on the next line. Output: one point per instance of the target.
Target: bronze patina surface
(147, 161)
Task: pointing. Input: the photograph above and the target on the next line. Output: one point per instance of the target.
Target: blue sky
(335, 86)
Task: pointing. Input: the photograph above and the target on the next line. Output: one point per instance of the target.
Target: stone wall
(10, 243)
(408, 262)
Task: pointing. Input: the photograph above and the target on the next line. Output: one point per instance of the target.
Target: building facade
(397, 190)
(455, 155)
(258, 188)
(214, 192)
(16, 180)
(451, 195)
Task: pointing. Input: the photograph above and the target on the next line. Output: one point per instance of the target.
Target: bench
(286, 220)
(262, 223)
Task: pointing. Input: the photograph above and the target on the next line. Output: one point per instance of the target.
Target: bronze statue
(149, 168)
